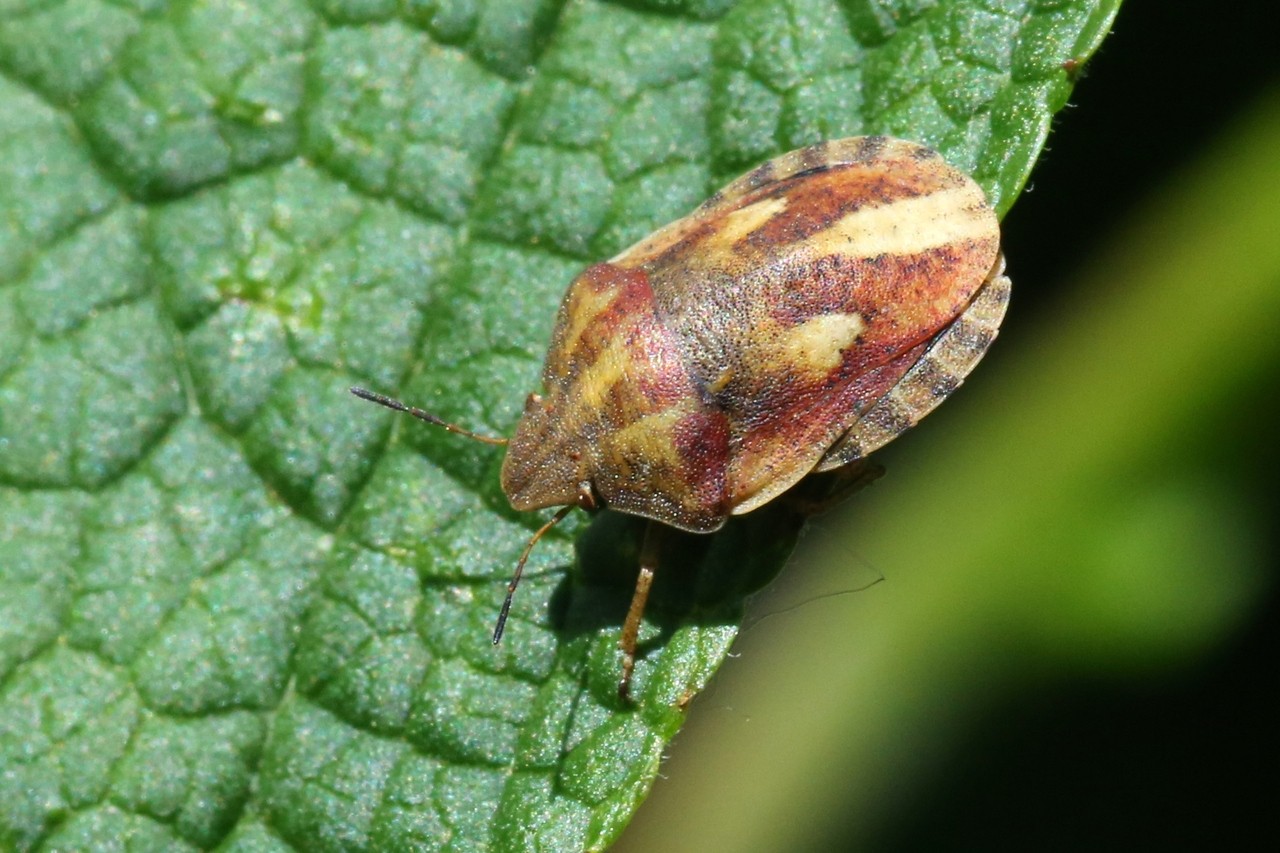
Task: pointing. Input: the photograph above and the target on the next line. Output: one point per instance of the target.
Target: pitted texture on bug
(940, 371)
(709, 367)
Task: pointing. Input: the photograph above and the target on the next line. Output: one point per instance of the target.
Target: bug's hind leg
(820, 492)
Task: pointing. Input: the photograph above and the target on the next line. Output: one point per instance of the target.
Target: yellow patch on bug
(608, 370)
(647, 439)
(818, 344)
(907, 227)
(740, 223)
(586, 305)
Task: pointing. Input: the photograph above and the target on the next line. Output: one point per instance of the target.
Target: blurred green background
(1053, 624)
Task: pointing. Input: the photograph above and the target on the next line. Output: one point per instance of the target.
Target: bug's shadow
(701, 579)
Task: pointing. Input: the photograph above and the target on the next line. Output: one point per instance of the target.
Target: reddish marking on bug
(702, 440)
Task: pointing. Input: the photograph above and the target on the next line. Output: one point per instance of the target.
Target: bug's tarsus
(639, 598)
(515, 578)
(392, 403)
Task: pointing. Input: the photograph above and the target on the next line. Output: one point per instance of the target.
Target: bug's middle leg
(639, 598)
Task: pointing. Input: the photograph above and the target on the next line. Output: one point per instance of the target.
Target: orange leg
(631, 627)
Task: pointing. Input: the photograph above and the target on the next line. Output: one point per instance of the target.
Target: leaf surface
(239, 607)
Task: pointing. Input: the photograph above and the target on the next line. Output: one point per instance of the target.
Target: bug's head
(547, 459)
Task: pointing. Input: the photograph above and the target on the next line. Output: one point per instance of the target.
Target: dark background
(1188, 760)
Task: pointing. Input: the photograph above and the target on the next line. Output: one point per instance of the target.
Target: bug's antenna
(390, 403)
(515, 578)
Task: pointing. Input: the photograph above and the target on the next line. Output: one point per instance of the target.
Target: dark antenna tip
(420, 414)
(515, 577)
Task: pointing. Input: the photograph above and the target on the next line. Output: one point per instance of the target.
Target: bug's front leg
(631, 627)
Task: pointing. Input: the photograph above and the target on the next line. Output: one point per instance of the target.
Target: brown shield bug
(799, 319)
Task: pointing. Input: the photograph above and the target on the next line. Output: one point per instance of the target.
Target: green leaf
(239, 607)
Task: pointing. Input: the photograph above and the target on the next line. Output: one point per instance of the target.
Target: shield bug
(799, 319)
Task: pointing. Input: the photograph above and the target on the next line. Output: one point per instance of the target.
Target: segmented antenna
(391, 403)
